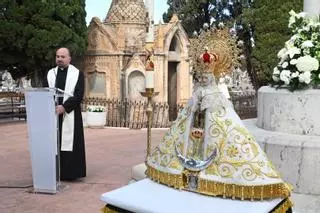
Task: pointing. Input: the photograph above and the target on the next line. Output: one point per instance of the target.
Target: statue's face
(205, 79)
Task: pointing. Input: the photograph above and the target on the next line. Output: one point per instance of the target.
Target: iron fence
(12, 105)
(132, 114)
(245, 104)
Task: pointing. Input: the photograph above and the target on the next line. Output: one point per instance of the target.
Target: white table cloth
(150, 197)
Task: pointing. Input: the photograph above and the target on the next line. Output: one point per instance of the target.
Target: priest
(71, 145)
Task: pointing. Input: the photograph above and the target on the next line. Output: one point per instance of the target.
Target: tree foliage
(262, 25)
(31, 31)
(194, 13)
(269, 20)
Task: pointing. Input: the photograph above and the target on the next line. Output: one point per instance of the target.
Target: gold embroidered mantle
(240, 170)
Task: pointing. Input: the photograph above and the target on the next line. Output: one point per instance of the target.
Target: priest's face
(63, 57)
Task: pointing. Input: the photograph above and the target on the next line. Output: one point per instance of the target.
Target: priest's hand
(60, 109)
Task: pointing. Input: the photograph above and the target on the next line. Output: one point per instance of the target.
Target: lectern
(43, 135)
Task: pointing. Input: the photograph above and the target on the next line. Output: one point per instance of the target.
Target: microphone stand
(57, 96)
(59, 93)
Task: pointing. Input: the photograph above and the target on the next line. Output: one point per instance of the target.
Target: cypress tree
(194, 13)
(31, 31)
(269, 22)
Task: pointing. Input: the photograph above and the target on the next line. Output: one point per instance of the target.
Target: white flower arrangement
(299, 59)
(96, 108)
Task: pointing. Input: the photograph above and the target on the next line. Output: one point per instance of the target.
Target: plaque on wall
(97, 83)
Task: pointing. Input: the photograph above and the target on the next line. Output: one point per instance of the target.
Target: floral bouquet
(299, 59)
(94, 108)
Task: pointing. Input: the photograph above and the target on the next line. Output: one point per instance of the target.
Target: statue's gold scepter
(149, 93)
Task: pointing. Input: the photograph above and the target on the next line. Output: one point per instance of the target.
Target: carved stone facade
(115, 60)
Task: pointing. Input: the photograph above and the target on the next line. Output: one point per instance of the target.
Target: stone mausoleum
(117, 48)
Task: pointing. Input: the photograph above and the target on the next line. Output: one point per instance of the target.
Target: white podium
(43, 135)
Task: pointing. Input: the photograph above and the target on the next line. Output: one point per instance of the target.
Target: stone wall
(292, 112)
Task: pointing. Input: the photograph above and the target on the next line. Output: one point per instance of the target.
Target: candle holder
(149, 93)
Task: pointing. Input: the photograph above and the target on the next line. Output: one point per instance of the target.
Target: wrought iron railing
(12, 105)
(132, 114)
(245, 104)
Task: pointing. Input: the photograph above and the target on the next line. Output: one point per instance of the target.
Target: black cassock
(72, 163)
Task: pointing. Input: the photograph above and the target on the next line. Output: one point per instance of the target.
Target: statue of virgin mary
(208, 149)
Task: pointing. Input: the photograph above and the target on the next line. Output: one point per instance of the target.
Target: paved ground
(110, 155)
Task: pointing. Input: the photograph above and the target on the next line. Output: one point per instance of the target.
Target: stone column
(288, 130)
(312, 7)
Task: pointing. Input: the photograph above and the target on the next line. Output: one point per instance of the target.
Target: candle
(149, 79)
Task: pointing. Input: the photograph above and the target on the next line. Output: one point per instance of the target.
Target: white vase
(96, 119)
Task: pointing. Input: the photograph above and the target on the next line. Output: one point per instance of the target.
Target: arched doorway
(136, 84)
(172, 90)
(173, 64)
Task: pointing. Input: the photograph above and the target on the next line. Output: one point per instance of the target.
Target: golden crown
(214, 51)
